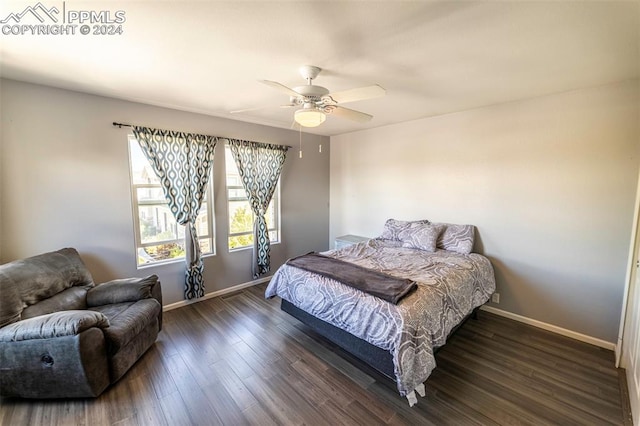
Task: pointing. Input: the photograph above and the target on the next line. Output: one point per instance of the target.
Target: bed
(397, 339)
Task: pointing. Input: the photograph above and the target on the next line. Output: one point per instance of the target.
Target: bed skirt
(379, 359)
(373, 356)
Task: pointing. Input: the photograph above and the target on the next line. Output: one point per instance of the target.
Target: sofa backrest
(26, 282)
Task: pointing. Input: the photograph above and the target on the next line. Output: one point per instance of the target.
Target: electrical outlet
(495, 297)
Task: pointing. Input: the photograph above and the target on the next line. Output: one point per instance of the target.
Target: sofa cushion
(71, 298)
(120, 291)
(127, 320)
(58, 324)
(10, 302)
(121, 361)
(42, 276)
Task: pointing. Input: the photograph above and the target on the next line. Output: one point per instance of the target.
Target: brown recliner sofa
(62, 336)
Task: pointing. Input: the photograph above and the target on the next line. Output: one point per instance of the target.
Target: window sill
(233, 250)
(169, 261)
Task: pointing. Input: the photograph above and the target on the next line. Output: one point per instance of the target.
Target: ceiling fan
(316, 101)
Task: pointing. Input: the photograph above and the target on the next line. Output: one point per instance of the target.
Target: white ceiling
(431, 57)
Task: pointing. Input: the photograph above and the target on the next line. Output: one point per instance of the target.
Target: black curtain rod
(121, 125)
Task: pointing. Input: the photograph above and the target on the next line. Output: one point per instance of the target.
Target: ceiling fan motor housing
(310, 91)
(309, 72)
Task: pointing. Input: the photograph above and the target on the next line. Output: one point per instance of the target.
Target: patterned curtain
(259, 166)
(182, 162)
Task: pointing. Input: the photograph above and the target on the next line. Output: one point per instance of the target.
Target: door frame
(631, 272)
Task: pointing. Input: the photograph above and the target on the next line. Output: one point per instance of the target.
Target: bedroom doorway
(628, 346)
(631, 345)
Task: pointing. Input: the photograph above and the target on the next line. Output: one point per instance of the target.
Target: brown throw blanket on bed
(376, 283)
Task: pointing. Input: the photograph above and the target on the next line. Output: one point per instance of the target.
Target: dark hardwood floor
(238, 360)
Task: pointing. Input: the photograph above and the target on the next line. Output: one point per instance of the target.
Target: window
(159, 238)
(240, 215)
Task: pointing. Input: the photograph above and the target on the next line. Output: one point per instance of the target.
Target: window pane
(205, 245)
(237, 193)
(271, 215)
(230, 164)
(157, 224)
(240, 217)
(202, 222)
(141, 171)
(181, 231)
(240, 241)
(147, 195)
(160, 252)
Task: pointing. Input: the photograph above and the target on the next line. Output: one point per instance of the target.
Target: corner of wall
(4, 125)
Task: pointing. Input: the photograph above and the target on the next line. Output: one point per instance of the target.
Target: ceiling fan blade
(350, 114)
(281, 87)
(359, 94)
(239, 111)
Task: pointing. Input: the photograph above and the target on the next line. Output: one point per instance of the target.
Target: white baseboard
(550, 327)
(618, 352)
(634, 395)
(216, 293)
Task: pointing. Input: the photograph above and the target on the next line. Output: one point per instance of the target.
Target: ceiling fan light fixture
(310, 117)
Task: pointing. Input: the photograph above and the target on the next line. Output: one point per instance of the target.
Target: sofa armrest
(121, 291)
(57, 324)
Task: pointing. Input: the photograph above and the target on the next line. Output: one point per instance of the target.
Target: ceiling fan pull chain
(300, 129)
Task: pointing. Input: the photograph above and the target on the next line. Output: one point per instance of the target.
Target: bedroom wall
(549, 182)
(64, 181)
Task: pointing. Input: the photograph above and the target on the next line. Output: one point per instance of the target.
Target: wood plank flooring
(238, 359)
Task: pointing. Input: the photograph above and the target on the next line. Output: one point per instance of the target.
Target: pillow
(393, 227)
(421, 236)
(458, 238)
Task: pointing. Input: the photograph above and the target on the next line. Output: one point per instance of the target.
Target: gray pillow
(421, 236)
(392, 228)
(458, 238)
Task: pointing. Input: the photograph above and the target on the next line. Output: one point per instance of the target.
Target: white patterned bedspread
(450, 286)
